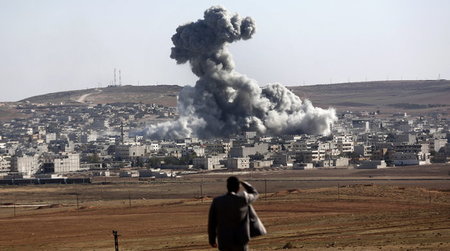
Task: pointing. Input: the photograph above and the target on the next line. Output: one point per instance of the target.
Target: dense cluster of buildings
(95, 140)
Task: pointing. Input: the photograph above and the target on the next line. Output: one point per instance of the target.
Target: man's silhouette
(229, 217)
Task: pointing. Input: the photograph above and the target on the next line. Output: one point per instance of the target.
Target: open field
(391, 209)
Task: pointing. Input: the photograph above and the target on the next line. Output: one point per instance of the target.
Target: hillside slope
(390, 96)
(159, 94)
(387, 95)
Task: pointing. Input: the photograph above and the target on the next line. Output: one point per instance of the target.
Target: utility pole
(129, 198)
(116, 240)
(76, 197)
(265, 189)
(201, 186)
(14, 206)
(338, 192)
(201, 191)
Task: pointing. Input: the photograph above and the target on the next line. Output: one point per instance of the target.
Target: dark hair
(233, 184)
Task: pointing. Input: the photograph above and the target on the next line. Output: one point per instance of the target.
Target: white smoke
(224, 102)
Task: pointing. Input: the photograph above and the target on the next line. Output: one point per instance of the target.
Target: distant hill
(384, 95)
(159, 94)
(389, 96)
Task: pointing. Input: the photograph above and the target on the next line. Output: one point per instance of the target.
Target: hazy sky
(49, 46)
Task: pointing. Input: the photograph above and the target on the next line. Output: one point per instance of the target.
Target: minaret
(121, 133)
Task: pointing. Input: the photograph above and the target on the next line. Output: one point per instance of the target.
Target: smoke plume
(224, 102)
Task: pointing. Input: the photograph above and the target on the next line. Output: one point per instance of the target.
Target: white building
(247, 150)
(363, 150)
(209, 163)
(67, 163)
(344, 143)
(437, 144)
(153, 147)
(339, 162)
(238, 163)
(27, 165)
(89, 137)
(218, 147)
(5, 163)
(249, 135)
(198, 150)
(372, 164)
(304, 145)
(261, 163)
(49, 137)
(130, 151)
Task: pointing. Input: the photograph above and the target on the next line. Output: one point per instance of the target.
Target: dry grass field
(392, 209)
(8, 111)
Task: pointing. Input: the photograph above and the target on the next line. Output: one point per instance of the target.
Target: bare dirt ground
(395, 209)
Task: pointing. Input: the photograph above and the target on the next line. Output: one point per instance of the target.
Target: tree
(153, 162)
(137, 162)
(188, 159)
(94, 158)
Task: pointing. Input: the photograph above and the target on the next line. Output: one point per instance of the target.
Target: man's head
(233, 184)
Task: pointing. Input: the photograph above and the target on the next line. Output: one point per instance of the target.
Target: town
(76, 140)
(225, 125)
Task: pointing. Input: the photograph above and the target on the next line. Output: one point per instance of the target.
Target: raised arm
(252, 194)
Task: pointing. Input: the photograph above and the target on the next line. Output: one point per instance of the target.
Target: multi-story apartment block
(130, 151)
(69, 162)
(238, 163)
(5, 163)
(247, 150)
(363, 150)
(26, 165)
(210, 162)
(344, 143)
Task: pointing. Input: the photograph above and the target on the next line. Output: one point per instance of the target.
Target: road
(83, 97)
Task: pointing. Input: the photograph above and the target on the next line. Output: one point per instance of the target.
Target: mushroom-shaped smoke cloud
(224, 102)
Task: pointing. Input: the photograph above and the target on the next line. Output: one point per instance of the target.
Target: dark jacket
(229, 218)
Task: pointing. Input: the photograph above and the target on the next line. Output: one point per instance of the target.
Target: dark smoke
(224, 102)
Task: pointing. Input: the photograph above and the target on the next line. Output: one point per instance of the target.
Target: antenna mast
(115, 81)
(120, 78)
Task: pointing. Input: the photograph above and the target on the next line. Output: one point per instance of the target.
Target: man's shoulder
(221, 197)
(229, 196)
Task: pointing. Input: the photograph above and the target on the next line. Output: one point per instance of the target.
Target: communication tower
(115, 82)
(120, 78)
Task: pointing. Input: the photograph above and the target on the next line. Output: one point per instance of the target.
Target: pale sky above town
(58, 45)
